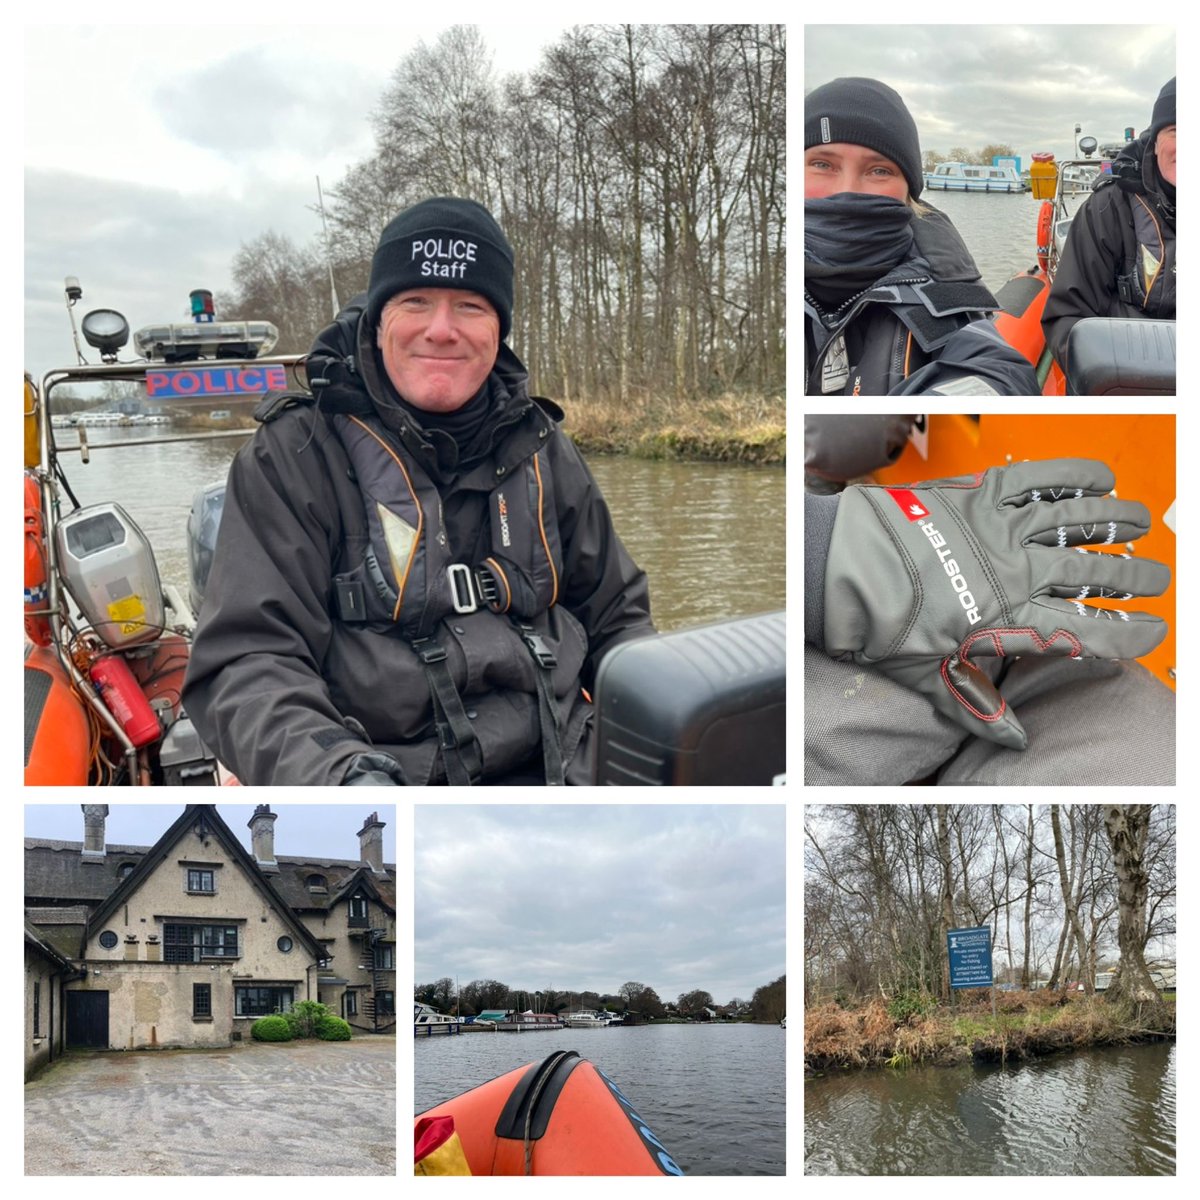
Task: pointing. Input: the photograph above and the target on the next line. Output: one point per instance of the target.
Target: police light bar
(186, 342)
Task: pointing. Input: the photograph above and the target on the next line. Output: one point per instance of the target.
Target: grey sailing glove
(923, 578)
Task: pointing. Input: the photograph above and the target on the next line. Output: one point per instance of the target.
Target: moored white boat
(973, 177)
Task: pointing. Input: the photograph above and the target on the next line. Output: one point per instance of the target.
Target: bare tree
(1128, 827)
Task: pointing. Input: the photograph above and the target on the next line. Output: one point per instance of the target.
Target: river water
(999, 228)
(1102, 1111)
(709, 535)
(712, 1094)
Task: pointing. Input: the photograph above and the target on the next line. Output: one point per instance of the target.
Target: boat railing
(48, 483)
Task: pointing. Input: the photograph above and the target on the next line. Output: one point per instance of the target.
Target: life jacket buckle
(462, 591)
(542, 654)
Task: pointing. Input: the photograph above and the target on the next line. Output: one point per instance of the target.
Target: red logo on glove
(908, 503)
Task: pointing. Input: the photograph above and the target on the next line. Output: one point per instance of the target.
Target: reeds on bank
(880, 1033)
(728, 428)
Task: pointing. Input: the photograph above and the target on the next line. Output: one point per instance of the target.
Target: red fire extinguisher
(125, 699)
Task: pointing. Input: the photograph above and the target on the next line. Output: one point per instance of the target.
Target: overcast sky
(153, 152)
(1024, 84)
(317, 830)
(587, 898)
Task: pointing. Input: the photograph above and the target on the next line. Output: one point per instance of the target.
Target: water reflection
(1095, 1112)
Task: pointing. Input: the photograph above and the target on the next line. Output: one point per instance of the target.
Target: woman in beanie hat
(416, 576)
(1119, 260)
(893, 302)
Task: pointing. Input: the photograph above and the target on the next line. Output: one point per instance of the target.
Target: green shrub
(271, 1029)
(304, 1016)
(333, 1029)
(910, 1004)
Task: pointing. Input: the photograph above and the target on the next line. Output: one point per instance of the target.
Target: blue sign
(970, 957)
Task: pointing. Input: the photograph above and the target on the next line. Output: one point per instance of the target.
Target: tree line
(769, 1002)
(638, 171)
(1063, 888)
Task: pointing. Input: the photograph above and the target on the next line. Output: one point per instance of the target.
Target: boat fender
(437, 1149)
(538, 1089)
(1044, 227)
(37, 618)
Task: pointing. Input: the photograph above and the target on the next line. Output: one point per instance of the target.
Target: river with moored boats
(710, 536)
(1104, 1110)
(712, 1094)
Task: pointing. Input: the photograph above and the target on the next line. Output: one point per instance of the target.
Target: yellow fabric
(447, 1159)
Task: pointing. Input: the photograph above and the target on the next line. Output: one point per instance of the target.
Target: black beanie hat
(443, 242)
(865, 112)
(1164, 109)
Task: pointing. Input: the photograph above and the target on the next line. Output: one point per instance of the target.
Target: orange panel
(1140, 449)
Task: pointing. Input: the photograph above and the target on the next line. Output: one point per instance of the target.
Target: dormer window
(358, 909)
(316, 883)
(125, 870)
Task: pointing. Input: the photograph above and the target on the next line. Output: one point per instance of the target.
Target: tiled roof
(56, 871)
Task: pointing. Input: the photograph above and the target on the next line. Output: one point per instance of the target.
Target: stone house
(187, 942)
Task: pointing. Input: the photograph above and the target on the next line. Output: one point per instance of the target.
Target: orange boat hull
(581, 1124)
(56, 727)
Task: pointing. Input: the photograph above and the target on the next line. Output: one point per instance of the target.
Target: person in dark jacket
(1119, 260)
(416, 577)
(893, 302)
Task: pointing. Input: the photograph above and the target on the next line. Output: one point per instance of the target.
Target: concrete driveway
(299, 1108)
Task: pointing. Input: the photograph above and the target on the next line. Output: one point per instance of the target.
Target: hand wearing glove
(921, 579)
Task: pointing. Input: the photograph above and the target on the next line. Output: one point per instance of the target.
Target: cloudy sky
(319, 830)
(1024, 84)
(585, 897)
(153, 152)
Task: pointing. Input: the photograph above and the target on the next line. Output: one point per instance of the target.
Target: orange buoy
(57, 736)
(1045, 227)
(562, 1116)
(37, 595)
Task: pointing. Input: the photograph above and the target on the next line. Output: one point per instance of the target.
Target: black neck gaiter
(851, 241)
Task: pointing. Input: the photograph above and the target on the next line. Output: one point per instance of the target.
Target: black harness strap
(548, 714)
(456, 736)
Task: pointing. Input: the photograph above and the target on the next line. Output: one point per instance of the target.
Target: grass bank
(915, 1030)
(729, 428)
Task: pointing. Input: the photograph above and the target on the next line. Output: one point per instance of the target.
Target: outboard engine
(203, 523)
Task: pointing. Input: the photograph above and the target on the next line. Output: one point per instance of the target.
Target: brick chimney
(94, 816)
(262, 837)
(370, 841)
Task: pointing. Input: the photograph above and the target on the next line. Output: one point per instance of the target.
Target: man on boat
(416, 577)
(1119, 260)
(893, 302)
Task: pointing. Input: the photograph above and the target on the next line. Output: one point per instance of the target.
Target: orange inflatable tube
(56, 727)
(562, 1116)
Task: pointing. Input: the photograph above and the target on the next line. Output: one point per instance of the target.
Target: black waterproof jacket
(286, 692)
(923, 329)
(1119, 260)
